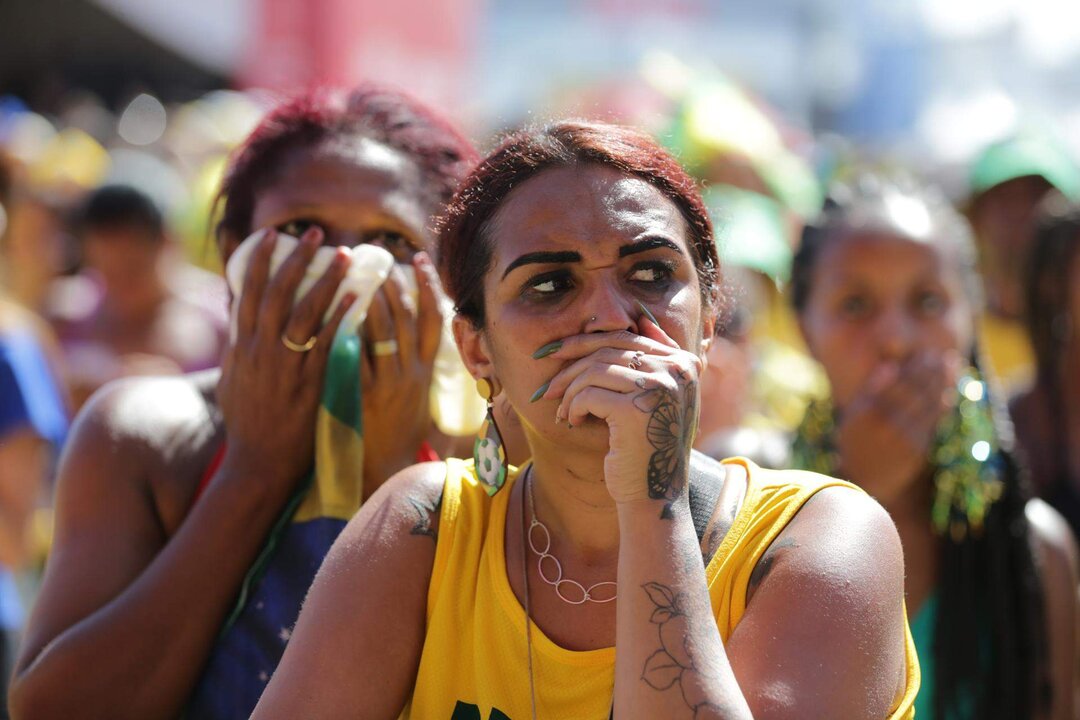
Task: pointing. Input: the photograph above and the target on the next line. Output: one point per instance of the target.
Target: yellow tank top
(474, 666)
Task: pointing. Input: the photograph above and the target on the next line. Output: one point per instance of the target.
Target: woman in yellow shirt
(617, 573)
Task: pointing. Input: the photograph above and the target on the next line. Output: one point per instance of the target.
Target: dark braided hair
(442, 155)
(989, 638)
(1050, 326)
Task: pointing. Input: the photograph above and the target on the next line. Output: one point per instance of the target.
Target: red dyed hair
(392, 118)
(465, 247)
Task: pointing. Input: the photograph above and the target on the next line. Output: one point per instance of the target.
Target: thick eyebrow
(648, 244)
(565, 256)
(568, 256)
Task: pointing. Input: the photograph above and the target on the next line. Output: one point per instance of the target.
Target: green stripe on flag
(341, 388)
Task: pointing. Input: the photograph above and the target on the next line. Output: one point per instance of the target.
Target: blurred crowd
(108, 270)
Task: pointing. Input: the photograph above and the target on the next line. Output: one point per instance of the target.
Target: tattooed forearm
(426, 512)
(673, 663)
(670, 431)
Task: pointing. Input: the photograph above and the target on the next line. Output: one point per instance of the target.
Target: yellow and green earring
(489, 455)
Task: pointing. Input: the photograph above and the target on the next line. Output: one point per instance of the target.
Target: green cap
(1025, 155)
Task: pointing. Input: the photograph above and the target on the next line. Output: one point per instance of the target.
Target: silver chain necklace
(579, 593)
(525, 582)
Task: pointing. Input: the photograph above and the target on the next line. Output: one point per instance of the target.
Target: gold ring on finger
(382, 348)
(299, 347)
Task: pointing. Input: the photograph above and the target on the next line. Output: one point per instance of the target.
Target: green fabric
(341, 387)
(922, 632)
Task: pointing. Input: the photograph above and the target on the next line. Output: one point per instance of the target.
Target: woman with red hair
(618, 572)
(164, 595)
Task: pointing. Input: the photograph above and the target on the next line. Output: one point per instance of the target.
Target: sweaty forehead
(345, 176)
(587, 201)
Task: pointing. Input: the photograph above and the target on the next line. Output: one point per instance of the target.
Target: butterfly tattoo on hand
(670, 431)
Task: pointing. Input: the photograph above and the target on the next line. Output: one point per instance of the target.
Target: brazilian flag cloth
(257, 629)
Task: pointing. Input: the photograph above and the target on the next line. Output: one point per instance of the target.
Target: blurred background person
(887, 296)
(1047, 414)
(731, 420)
(1009, 179)
(759, 191)
(131, 310)
(33, 424)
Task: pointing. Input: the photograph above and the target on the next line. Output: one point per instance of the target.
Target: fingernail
(646, 313)
(540, 392)
(549, 349)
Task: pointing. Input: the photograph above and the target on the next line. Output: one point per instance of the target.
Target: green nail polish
(646, 313)
(549, 349)
(540, 392)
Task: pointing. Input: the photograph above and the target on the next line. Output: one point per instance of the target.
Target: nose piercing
(592, 319)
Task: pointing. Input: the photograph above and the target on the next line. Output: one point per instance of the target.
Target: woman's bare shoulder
(408, 504)
(151, 414)
(154, 435)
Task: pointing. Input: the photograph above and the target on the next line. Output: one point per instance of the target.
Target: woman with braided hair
(886, 293)
(1047, 415)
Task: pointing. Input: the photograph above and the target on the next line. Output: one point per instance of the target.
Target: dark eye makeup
(649, 275)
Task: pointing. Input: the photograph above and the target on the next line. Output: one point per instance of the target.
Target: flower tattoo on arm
(673, 664)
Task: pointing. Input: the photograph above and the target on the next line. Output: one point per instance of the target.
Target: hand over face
(645, 388)
(269, 394)
(885, 433)
(401, 337)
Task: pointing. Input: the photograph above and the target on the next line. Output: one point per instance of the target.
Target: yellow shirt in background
(474, 662)
(1007, 348)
